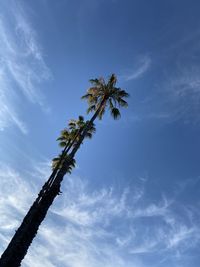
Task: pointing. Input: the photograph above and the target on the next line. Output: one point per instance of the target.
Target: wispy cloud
(178, 97)
(184, 93)
(22, 67)
(140, 68)
(97, 228)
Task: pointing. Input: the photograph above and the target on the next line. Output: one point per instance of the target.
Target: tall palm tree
(99, 96)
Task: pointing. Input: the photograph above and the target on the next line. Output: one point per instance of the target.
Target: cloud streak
(22, 68)
(139, 70)
(97, 228)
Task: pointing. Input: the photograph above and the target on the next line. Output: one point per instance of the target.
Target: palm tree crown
(69, 138)
(102, 94)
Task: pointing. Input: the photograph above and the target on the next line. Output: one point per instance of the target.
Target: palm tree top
(74, 128)
(104, 94)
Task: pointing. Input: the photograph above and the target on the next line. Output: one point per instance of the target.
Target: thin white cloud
(180, 95)
(22, 67)
(177, 98)
(182, 234)
(139, 69)
(88, 210)
(8, 114)
(101, 228)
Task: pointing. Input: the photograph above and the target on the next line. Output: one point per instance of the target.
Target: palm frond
(88, 135)
(91, 108)
(122, 102)
(60, 138)
(72, 122)
(122, 93)
(112, 80)
(55, 162)
(80, 118)
(70, 165)
(94, 81)
(115, 113)
(86, 96)
(62, 144)
(97, 82)
(92, 128)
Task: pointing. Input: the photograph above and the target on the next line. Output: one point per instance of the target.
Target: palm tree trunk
(19, 244)
(24, 235)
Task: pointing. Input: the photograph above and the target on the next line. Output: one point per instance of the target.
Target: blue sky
(133, 199)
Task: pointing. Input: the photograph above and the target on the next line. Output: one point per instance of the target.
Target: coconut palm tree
(101, 95)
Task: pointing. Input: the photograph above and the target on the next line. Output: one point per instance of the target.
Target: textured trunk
(19, 244)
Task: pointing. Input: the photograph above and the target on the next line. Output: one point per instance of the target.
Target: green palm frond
(72, 124)
(112, 80)
(92, 128)
(64, 161)
(98, 82)
(93, 91)
(55, 162)
(60, 138)
(90, 131)
(115, 113)
(62, 144)
(80, 118)
(88, 135)
(64, 134)
(122, 93)
(94, 81)
(86, 96)
(91, 108)
(122, 102)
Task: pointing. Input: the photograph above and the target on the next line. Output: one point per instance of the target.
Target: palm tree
(69, 139)
(99, 96)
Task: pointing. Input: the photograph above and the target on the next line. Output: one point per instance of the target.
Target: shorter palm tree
(59, 161)
(68, 139)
